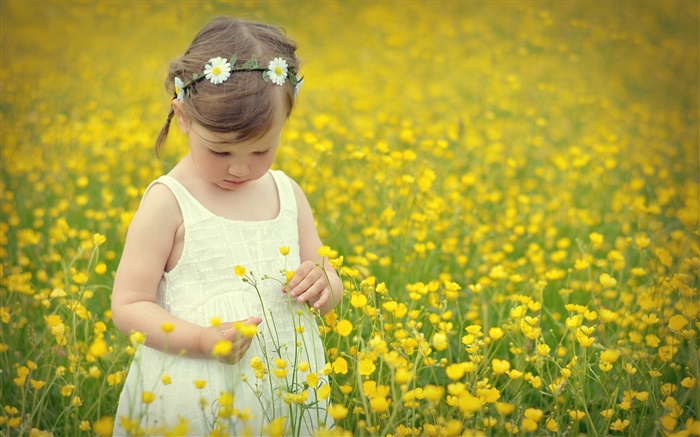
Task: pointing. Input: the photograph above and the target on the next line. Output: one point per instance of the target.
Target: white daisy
(179, 92)
(277, 71)
(217, 70)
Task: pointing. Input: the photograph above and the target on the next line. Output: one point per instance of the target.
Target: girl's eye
(220, 154)
(264, 152)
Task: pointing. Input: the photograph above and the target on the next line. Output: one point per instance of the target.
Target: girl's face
(228, 164)
(219, 159)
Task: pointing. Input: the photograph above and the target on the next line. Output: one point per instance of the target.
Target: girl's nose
(238, 170)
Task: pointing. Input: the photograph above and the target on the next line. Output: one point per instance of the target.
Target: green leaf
(250, 64)
(266, 78)
(233, 60)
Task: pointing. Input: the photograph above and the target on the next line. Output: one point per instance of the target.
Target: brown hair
(243, 104)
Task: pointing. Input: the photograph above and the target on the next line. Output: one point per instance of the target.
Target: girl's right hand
(226, 331)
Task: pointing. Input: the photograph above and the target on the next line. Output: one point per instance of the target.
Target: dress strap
(192, 210)
(288, 201)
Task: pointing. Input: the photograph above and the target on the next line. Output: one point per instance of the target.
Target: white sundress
(203, 286)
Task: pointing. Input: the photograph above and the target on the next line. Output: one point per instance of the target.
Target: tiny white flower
(277, 71)
(179, 92)
(300, 81)
(217, 70)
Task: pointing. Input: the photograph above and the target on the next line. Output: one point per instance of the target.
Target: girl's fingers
(314, 290)
(322, 299)
(305, 284)
(301, 273)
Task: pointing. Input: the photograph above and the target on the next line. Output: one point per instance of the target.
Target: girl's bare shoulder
(158, 209)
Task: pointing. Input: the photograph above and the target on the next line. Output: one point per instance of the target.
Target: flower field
(514, 189)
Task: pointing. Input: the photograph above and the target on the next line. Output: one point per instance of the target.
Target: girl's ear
(182, 119)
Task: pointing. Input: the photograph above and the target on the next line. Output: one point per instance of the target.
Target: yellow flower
(100, 268)
(167, 327)
(439, 341)
(239, 271)
(607, 281)
(367, 367)
(358, 300)
(340, 366)
(200, 383)
(552, 425)
(336, 262)
(607, 413)
(500, 366)
(688, 382)
(455, 371)
(36, 385)
(496, 333)
(488, 395)
(528, 425)
(55, 319)
(505, 408)
(247, 330)
(677, 322)
(610, 355)
(98, 239)
(433, 393)
(98, 348)
(103, 426)
(543, 349)
(596, 238)
(222, 348)
(137, 337)
(284, 250)
(166, 379)
(619, 425)
(576, 414)
(584, 340)
(514, 374)
(403, 375)
(289, 274)
(533, 414)
(344, 327)
(337, 411)
(226, 399)
(326, 252)
(280, 373)
(380, 404)
(312, 379)
(147, 397)
(67, 390)
(642, 241)
(323, 392)
(276, 427)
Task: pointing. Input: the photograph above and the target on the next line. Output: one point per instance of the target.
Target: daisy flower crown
(219, 69)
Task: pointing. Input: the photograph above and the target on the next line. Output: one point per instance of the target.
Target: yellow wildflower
(147, 397)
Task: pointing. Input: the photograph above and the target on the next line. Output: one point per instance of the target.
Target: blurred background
(476, 142)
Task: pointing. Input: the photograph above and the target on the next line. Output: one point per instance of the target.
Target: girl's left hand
(310, 284)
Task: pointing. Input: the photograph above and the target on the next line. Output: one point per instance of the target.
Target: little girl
(204, 369)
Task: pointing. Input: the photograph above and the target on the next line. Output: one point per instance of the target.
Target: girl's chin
(232, 185)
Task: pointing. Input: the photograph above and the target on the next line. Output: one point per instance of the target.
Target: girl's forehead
(279, 117)
(230, 139)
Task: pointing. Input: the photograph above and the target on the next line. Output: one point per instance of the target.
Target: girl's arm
(321, 288)
(148, 245)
